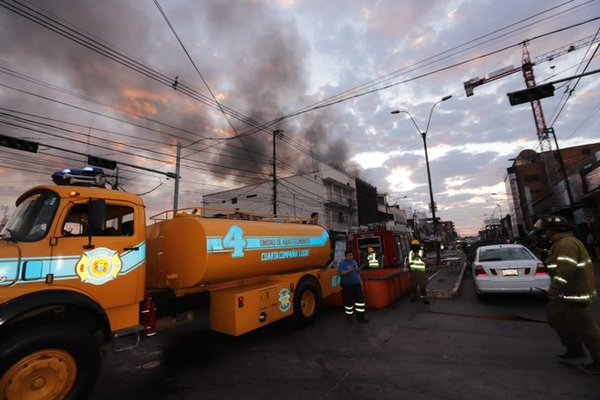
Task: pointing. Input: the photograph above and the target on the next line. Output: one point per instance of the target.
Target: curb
(445, 294)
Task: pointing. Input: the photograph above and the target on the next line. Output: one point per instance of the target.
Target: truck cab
(72, 265)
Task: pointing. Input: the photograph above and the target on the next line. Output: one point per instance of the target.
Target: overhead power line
(452, 51)
(569, 91)
(63, 30)
(423, 75)
(42, 18)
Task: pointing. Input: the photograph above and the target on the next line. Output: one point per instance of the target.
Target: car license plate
(510, 272)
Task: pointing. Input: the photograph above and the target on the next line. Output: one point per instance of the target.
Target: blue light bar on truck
(87, 176)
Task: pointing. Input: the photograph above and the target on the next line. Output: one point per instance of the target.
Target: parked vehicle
(508, 268)
(79, 268)
(471, 249)
(391, 247)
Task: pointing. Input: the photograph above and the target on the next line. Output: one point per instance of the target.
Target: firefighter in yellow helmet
(418, 274)
(372, 258)
(572, 290)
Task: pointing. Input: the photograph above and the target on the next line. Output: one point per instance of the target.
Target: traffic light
(531, 94)
(102, 162)
(19, 144)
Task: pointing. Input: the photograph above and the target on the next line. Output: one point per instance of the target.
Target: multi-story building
(536, 185)
(329, 192)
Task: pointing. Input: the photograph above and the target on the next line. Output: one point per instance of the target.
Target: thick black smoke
(251, 59)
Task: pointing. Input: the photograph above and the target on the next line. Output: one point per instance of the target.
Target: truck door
(96, 248)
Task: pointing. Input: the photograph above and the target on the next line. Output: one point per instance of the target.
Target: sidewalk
(445, 283)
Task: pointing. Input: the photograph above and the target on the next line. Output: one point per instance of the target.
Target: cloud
(266, 59)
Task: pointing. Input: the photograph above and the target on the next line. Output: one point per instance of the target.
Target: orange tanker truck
(79, 268)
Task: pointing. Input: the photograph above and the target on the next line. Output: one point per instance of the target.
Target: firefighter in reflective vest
(418, 276)
(372, 258)
(352, 290)
(572, 290)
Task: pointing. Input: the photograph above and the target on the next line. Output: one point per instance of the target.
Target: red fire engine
(390, 246)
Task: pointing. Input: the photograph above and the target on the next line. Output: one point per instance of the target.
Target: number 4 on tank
(234, 239)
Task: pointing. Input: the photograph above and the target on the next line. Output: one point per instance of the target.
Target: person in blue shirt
(352, 291)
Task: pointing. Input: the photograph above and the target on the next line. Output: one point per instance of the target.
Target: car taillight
(541, 269)
(479, 271)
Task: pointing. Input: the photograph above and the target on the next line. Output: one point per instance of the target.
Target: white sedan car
(508, 268)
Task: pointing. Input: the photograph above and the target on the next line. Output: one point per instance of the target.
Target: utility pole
(564, 172)
(177, 167)
(277, 132)
(415, 225)
(294, 197)
(116, 185)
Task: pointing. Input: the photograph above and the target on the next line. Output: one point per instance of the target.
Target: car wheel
(307, 300)
(480, 295)
(53, 361)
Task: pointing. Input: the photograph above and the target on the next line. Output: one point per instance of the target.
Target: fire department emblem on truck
(284, 300)
(99, 266)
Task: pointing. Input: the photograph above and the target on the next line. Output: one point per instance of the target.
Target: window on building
(532, 178)
(234, 200)
(337, 194)
(341, 217)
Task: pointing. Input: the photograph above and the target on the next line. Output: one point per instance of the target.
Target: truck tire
(307, 301)
(53, 361)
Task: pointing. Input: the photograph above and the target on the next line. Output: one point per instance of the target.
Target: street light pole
(435, 233)
(276, 133)
(424, 136)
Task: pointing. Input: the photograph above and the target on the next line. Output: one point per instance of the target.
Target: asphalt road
(452, 349)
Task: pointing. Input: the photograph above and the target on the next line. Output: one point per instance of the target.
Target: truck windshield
(32, 218)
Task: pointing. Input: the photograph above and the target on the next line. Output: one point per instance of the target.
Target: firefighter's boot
(572, 353)
(591, 368)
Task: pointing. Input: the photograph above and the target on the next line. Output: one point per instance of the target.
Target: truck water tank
(190, 250)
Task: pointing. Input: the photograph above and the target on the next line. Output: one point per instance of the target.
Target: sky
(129, 80)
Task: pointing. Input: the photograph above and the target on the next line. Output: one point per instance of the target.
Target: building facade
(329, 192)
(536, 186)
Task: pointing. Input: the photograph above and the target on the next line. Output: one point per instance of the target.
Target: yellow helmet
(415, 242)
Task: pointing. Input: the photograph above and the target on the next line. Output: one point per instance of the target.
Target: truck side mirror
(97, 216)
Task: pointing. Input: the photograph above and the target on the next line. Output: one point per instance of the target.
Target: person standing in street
(572, 290)
(352, 290)
(372, 258)
(418, 274)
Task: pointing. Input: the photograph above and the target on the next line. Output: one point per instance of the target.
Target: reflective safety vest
(373, 262)
(414, 263)
(571, 269)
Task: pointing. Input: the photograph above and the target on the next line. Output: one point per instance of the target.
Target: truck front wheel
(307, 300)
(48, 362)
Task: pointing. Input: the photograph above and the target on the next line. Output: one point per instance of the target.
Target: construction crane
(536, 105)
(527, 69)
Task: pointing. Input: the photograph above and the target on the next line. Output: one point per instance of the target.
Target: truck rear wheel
(48, 362)
(307, 300)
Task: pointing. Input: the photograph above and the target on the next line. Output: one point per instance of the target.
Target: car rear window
(505, 254)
